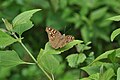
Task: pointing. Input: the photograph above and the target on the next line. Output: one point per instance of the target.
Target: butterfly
(56, 39)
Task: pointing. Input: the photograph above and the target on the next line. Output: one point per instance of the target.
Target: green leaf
(10, 59)
(98, 13)
(48, 61)
(5, 39)
(75, 59)
(118, 74)
(72, 60)
(112, 57)
(82, 47)
(81, 58)
(54, 4)
(5, 72)
(91, 69)
(118, 52)
(103, 55)
(94, 76)
(115, 33)
(63, 4)
(85, 79)
(101, 69)
(97, 67)
(108, 74)
(23, 27)
(72, 74)
(24, 17)
(88, 43)
(85, 33)
(115, 18)
(50, 50)
(90, 58)
(22, 22)
(7, 24)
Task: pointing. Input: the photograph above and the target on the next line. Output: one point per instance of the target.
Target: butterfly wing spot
(54, 31)
(69, 38)
(50, 33)
(52, 37)
(49, 29)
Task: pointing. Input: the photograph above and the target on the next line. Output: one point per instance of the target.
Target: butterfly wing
(54, 37)
(64, 40)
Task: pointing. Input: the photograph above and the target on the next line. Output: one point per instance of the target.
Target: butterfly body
(56, 39)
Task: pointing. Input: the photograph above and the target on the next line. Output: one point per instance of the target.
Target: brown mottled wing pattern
(66, 39)
(56, 39)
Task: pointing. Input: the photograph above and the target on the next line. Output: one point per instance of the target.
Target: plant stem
(27, 63)
(14, 35)
(35, 60)
(52, 76)
(28, 52)
(33, 57)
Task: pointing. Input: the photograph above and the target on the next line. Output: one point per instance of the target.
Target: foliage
(45, 60)
(89, 21)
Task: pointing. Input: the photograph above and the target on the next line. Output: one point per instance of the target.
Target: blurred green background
(84, 19)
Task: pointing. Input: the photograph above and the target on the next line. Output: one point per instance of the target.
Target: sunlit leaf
(101, 69)
(75, 59)
(22, 22)
(115, 18)
(82, 47)
(81, 58)
(23, 27)
(91, 69)
(115, 33)
(118, 74)
(94, 76)
(72, 60)
(90, 58)
(48, 61)
(24, 17)
(50, 50)
(107, 75)
(118, 52)
(5, 39)
(97, 67)
(105, 55)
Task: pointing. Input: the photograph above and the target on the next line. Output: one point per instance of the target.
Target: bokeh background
(84, 19)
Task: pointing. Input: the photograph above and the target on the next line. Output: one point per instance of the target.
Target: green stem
(28, 52)
(35, 60)
(52, 77)
(33, 57)
(27, 63)
(14, 35)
